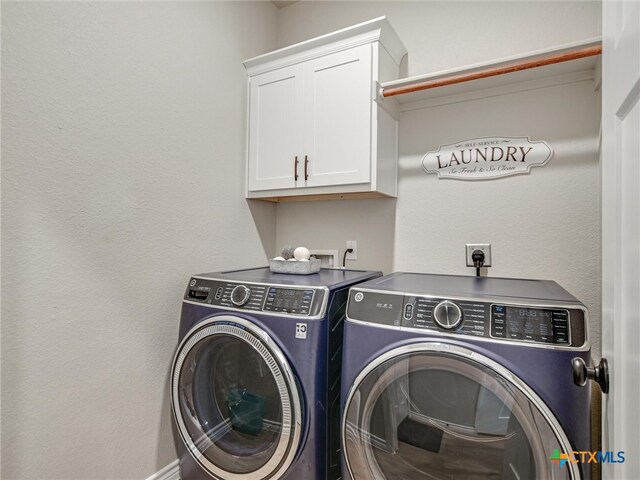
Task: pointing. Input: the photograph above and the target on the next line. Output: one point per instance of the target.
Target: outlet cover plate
(353, 244)
(485, 247)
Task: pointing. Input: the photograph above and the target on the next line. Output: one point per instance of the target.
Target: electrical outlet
(485, 247)
(353, 244)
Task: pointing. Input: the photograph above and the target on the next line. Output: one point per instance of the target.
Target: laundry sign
(487, 157)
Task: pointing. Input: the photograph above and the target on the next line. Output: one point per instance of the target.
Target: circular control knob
(447, 315)
(240, 295)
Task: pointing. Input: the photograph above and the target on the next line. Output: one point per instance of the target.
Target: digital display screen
(530, 321)
(286, 298)
(530, 324)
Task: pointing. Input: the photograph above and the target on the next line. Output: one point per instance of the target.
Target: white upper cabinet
(275, 123)
(337, 123)
(317, 127)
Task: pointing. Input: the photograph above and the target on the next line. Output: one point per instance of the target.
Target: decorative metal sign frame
(487, 157)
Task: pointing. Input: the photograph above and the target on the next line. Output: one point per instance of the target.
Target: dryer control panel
(289, 300)
(542, 325)
(496, 320)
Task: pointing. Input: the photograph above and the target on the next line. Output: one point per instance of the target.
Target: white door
(337, 132)
(621, 233)
(275, 129)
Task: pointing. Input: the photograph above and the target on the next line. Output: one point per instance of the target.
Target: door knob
(599, 373)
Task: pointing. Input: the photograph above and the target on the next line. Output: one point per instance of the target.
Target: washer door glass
(431, 411)
(235, 401)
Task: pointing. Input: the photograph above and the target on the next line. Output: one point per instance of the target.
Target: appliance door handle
(599, 373)
(295, 169)
(306, 164)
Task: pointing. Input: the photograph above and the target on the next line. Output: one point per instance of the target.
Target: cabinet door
(337, 119)
(275, 129)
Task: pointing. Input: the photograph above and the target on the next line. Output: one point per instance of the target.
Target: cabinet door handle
(306, 164)
(295, 169)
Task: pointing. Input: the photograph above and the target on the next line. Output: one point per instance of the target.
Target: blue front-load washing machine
(255, 382)
(463, 377)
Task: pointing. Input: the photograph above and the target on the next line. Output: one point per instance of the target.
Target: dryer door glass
(433, 413)
(234, 403)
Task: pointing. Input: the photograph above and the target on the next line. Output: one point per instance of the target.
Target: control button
(218, 293)
(240, 295)
(447, 315)
(408, 311)
(358, 296)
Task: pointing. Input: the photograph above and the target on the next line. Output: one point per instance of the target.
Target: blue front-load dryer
(255, 382)
(464, 377)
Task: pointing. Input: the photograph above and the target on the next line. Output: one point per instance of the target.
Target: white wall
(542, 225)
(327, 225)
(444, 34)
(123, 173)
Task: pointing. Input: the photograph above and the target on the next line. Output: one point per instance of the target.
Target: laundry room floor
(455, 460)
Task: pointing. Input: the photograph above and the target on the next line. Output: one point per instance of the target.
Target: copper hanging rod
(492, 72)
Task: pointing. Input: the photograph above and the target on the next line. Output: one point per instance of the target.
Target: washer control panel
(299, 301)
(289, 300)
(464, 317)
(531, 324)
(494, 320)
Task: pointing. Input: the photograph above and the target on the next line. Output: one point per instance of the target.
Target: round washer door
(235, 400)
(435, 411)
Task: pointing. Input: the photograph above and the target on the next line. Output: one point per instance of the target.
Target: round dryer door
(435, 411)
(235, 400)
